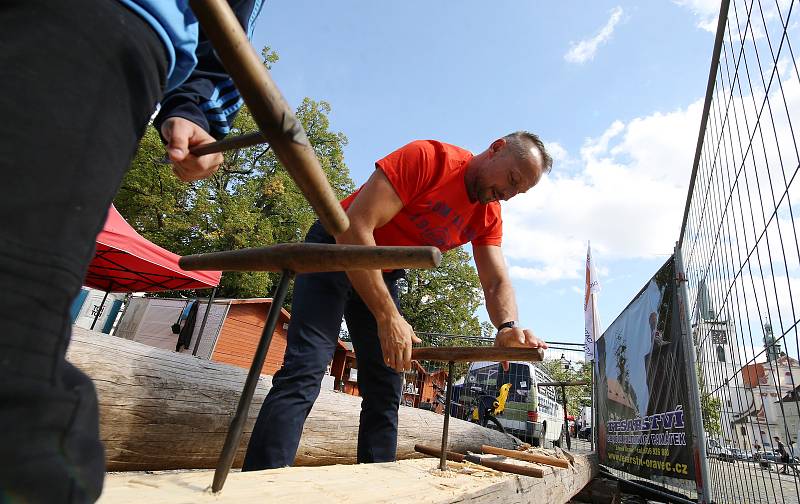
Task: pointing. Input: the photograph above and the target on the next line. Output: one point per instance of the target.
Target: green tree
(443, 299)
(251, 201)
(577, 396)
(710, 406)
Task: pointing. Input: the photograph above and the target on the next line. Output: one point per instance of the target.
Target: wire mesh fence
(739, 243)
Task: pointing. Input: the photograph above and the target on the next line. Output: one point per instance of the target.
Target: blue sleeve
(208, 97)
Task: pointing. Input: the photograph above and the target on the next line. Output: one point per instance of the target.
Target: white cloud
(585, 49)
(706, 12)
(557, 152)
(627, 197)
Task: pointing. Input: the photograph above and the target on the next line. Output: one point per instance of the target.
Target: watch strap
(506, 325)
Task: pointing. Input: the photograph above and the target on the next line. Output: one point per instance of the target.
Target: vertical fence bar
(698, 433)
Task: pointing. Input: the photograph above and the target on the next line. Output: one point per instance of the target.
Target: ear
(497, 145)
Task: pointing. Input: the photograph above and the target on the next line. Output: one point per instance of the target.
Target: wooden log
(403, 482)
(165, 410)
(270, 111)
(314, 257)
(469, 354)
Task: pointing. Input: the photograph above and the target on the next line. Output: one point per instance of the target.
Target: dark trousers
(79, 82)
(319, 302)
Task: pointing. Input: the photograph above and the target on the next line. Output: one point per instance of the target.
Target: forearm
(501, 303)
(369, 283)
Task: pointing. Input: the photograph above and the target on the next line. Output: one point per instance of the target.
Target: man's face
(503, 175)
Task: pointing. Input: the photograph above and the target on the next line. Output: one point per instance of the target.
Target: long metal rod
(566, 420)
(276, 121)
(314, 258)
(230, 143)
(240, 418)
(593, 405)
(698, 441)
(447, 402)
(712, 78)
(205, 318)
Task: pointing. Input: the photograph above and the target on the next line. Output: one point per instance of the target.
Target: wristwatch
(506, 325)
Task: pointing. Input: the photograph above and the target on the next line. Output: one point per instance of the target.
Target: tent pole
(100, 310)
(205, 317)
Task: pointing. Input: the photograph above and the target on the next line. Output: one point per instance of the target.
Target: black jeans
(319, 302)
(80, 80)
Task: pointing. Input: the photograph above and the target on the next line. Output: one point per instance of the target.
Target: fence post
(698, 433)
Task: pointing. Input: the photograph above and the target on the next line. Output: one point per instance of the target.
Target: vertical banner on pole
(592, 330)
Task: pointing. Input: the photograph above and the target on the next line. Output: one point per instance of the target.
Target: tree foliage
(444, 299)
(577, 396)
(251, 201)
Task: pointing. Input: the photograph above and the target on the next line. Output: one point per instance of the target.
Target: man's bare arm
(375, 205)
(501, 302)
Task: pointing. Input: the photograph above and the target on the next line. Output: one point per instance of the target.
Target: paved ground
(747, 482)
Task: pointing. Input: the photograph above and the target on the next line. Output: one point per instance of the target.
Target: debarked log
(164, 410)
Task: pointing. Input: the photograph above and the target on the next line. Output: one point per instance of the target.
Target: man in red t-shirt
(425, 193)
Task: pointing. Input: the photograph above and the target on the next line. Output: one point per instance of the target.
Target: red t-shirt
(428, 176)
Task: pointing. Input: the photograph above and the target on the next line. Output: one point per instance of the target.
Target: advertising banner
(642, 388)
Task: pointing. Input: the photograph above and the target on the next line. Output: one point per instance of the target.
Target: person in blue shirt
(80, 82)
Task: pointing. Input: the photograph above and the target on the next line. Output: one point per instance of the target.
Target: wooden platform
(406, 481)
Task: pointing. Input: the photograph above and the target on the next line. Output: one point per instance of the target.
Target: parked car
(740, 454)
(720, 453)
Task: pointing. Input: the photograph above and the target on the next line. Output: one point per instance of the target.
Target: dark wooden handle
(270, 111)
(533, 472)
(314, 257)
(470, 354)
(435, 452)
(527, 457)
(230, 143)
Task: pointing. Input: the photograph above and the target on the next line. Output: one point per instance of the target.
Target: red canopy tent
(126, 262)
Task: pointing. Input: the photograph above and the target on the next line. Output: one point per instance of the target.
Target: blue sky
(614, 88)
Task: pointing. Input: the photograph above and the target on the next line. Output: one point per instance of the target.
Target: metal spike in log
(314, 257)
(270, 111)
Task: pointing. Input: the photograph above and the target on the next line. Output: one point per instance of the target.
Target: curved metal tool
(314, 257)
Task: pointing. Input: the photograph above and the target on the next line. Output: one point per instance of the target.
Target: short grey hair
(518, 140)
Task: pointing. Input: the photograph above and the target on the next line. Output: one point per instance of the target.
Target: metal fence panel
(741, 251)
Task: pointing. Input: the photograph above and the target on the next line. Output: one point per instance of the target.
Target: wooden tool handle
(471, 354)
(527, 457)
(230, 143)
(314, 257)
(270, 111)
(435, 452)
(534, 472)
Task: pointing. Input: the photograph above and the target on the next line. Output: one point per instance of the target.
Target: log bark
(163, 410)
